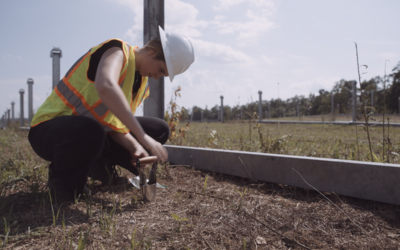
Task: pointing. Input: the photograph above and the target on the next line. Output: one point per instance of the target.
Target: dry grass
(211, 216)
(325, 141)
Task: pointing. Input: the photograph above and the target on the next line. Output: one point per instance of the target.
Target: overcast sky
(241, 46)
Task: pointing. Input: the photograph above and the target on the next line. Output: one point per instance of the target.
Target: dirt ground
(197, 210)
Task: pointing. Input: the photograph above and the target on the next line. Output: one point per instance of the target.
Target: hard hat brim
(167, 57)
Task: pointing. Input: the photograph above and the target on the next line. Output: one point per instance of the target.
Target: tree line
(386, 93)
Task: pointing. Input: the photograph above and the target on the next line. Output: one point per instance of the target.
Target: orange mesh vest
(75, 94)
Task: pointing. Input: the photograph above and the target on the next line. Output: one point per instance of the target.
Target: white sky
(241, 46)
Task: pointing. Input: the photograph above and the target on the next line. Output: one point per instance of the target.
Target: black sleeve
(96, 56)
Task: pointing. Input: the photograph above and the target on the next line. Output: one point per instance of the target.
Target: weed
(82, 241)
(107, 220)
(174, 118)
(366, 117)
(213, 140)
(76, 197)
(88, 201)
(6, 232)
(179, 219)
(146, 242)
(69, 236)
(205, 185)
(242, 194)
(55, 217)
(63, 228)
(3, 198)
(241, 142)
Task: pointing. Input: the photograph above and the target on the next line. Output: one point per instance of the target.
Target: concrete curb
(365, 180)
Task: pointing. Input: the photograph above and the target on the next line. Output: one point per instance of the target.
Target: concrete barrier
(366, 180)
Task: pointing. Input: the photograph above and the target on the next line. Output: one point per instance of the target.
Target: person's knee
(164, 132)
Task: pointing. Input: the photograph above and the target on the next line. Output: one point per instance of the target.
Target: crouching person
(87, 125)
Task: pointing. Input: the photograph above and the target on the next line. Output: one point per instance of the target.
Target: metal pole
(8, 117)
(298, 112)
(153, 17)
(260, 105)
(56, 54)
(372, 98)
(12, 112)
(399, 106)
(30, 100)
(354, 100)
(21, 116)
(332, 104)
(269, 110)
(222, 108)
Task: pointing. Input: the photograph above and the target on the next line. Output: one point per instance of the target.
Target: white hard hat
(178, 52)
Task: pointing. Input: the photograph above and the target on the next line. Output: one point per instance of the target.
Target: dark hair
(155, 46)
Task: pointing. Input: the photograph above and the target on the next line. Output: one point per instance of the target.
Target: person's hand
(157, 149)
(138, 152)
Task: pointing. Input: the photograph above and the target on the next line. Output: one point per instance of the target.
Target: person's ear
(152, 53)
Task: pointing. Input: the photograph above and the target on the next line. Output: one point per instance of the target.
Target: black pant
(73, 143)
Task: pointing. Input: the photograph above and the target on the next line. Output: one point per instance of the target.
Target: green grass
(326, 141)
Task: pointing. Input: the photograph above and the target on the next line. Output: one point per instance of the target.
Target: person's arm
(131, 144)
(106, 84)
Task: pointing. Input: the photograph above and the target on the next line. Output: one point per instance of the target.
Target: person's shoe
(106, 173)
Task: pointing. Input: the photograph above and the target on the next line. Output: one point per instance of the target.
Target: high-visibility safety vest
(75, 94)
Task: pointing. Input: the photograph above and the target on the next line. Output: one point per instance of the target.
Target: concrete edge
(365, 180)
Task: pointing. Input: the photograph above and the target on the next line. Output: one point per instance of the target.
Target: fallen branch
(208, 244)
(273, 230)
(331, 202)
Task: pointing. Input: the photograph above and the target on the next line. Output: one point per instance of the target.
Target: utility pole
(399, 106)
(260, 105)
(21, 116)
(222, 108)
(153, 17)
(372, 98)
(354, 100)
(269, 109)
(12, 112)
(56, 54)
(30, 100)
(8, 117)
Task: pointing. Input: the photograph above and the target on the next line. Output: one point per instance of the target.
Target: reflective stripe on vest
(78, 93)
